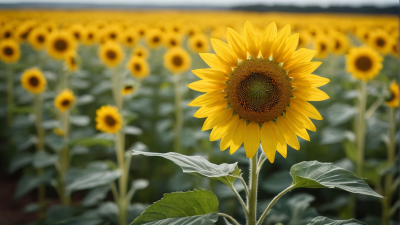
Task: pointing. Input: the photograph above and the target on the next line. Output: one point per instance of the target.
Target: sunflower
(395, 47)
(141, 52)
(6, 32)
(154, 38)
(138, 66)
(59, 44)
(127, 89)
(172, 40)
(380, 41)
(393, 99)
(193, 30)
(37, 38)
(33, 81)
(65, 100)
(141, 30)
(111, 53)
(363, 34)
(108, 119)
(9, 51)
(77, 31)
(177, 60)
(50, 26)
(111, 33)
(23, 30)
(129, 38)
(90, 35)
(323, 45)
(199, 43)
(340, 43)
(71, 61)
(363, 63)
(257, 91)
(304, 39)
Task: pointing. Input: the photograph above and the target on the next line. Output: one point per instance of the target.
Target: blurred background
(58, 168)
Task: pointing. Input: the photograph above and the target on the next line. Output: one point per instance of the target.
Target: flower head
(33, 81)
(108, 119)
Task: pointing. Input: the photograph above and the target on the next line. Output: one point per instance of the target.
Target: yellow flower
(23, 30)
(340, 44)
(6, 32)
(33, 81)
(111, 33)
(9, 51)
(37, 38)
(363, 63)
(257, 91)
(90, 36)
(393, 99)
(177, 60)
(395, 47)
(71, 61)
(304, 39)
(380, 41)
(138, 66)
(323, 45)
(111, 53)
(199, 43)
(172, 39)
(108, 119)
(65, 100)
(141, 30)
(129, 38)
(127, 89)
(154, 38)
(363, 34)
(59, 132)
(77, 31)
(59, 44)
(141, 52)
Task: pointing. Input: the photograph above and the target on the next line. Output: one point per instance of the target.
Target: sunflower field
(126, 117)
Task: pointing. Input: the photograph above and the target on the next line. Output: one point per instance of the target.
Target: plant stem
(10, 95)
(252, 198)
(229, 217)
(245, 209)
(272, 203)
(361, 127)
(38, 107)
(178, 113)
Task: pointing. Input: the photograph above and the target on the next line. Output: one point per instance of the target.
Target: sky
(226, 3)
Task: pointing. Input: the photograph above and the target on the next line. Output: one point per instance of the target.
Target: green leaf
(29, 182)
(80, 120)
(320, 220)
(19, 161)
(90, 141)
(198, 207)
(42, 159)
(95, 195)
(340, 113)
(314, 174)
(198, 166)
(132, 130)
(93, 179)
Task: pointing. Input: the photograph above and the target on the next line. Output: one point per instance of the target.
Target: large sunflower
(111, 53)
(59, 44)
(108, 119)
(37, 38)
(138, 66)
(33, 81)
(64, 100)
(9, 51)
(199, 43)
(363, 63)
(177, 60)
(257, 91)
(393, 99)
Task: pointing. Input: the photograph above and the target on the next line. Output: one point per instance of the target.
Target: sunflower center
(77, 35)
(380, 42)
(258, 90)
(323, 47)
(338, 45)
(110, 121)
(128, 88)
(199, 44)
(8, 51)
(7, 34)
(40, 39)
(363, 63)
(113, 36)
(129, 39)
(111, 54)
(60, 45)
(177, 60)
(66, 102)
(72, 61)
(173, 43)
(90, 36)
(34, 81)
(395, 48)
(139, 54)
(137, 67)
(156, 39)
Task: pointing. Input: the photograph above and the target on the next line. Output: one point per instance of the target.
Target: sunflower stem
(178, 113)
(361, 127)
(252, 198)
(10, 95)
(229, 217)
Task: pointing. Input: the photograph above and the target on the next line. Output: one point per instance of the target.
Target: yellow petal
(280, 41)
(221, 130)
(205, 111)
(268, 141)
(207, 98)
(227, 139)
(309, 94)
(237, 44)
(238, 136)
(224, 51)
(251, 139)
(267, 40)
(207, 86)
(309, 81)
(252, 44)
(211, 74)
(303, 69)
(300, 56)
(297, 127)
(289, 135)
(307, 123)
(291, 46)
(217, 119)
(281, 147)
(215, 62)
(305, 107)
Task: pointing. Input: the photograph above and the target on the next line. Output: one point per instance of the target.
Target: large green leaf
(30, 182)
(320, 220)
(93, 179)
(314, 174)
(198, 166)
(198, 207)
(19, 161)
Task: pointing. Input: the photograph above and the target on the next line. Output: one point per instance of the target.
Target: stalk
(178, 113)
(38, 107)
(361, 127)
(10, 95)
(252, 198)
(64, 158)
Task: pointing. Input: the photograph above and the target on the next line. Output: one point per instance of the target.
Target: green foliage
(320, 220)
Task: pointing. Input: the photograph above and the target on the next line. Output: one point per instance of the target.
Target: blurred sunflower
(129, 38)
(90, 36)
(393, 99)
(395, 47)
(59, 44)
(50, 26)
(193, 30)
(323, 45)
(108, 119)
(380, 41)
(141, 52)
(77, 31)
(154, 38)
(172, 40)
(37, 38)
(141, 30)
(33, 81)
(71, 61)
(23, 30)
(304, 39)
(6, 32)
(363, 63)
(250, 86)
(199, 43)
(9, 51)
(64, 100)
(363, 34)
(177, 60)
(340, 43)
(127, 89)
(111, 33)
(111, 53)
(138, 67)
